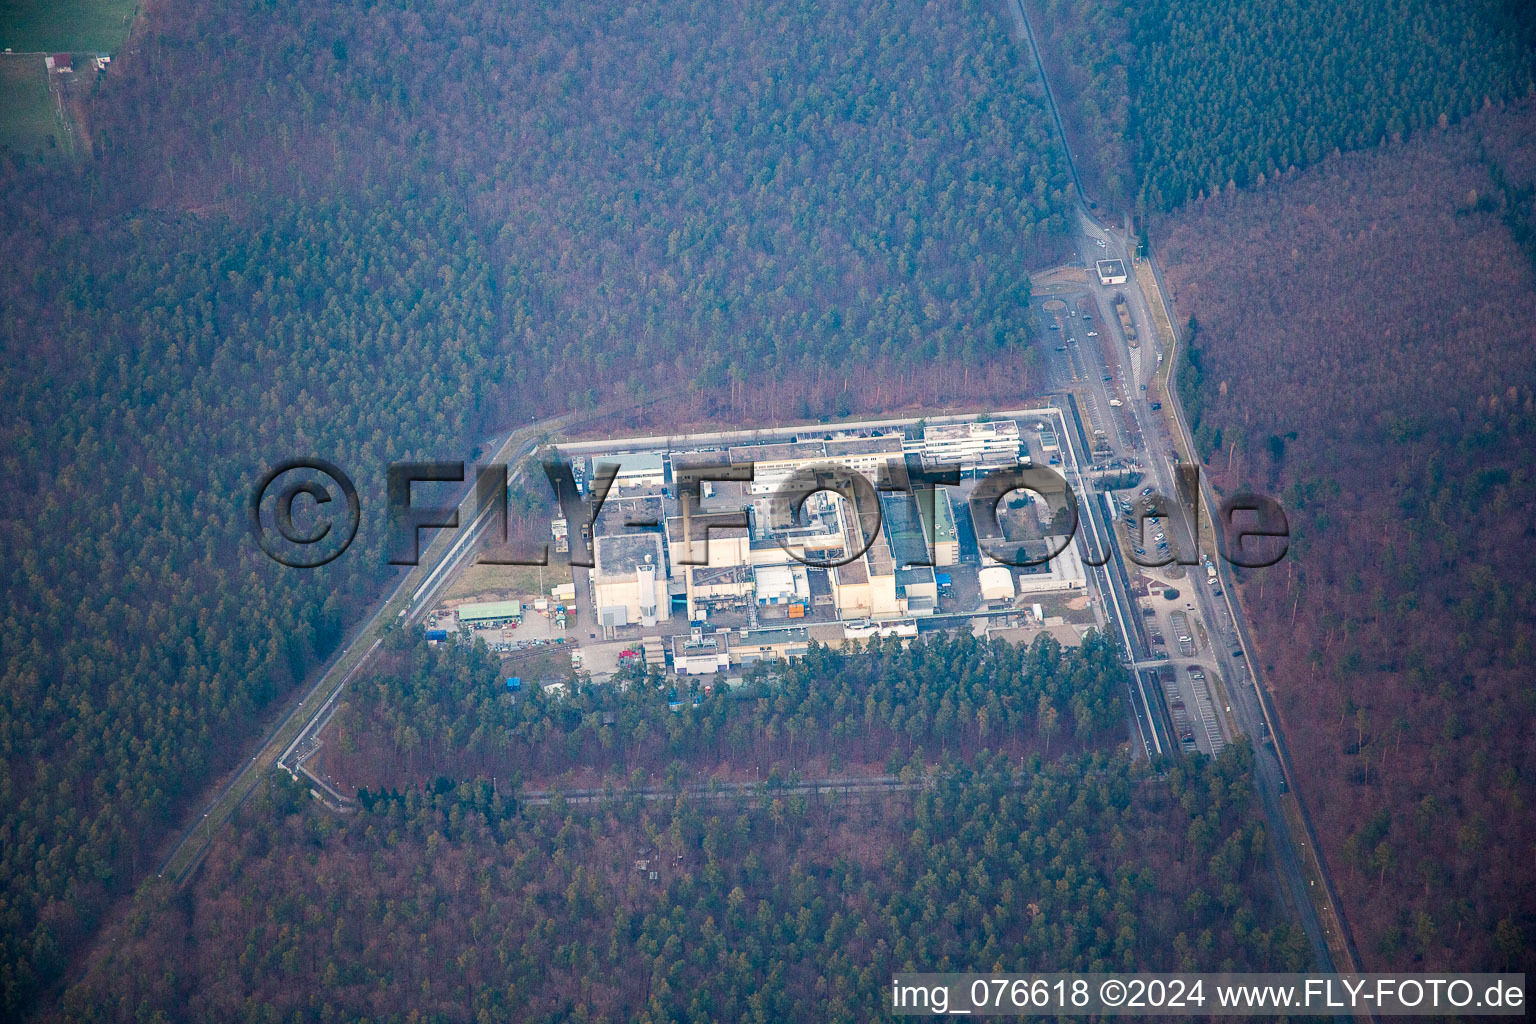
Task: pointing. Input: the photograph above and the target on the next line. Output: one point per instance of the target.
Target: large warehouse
(490, 613)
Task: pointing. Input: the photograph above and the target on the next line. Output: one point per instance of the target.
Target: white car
(1093, 334)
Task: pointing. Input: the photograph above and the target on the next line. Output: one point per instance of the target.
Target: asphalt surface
(1217, 615)
(1223, 624)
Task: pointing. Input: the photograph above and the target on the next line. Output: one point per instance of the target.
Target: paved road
(428, 579)
(1223, 623)
(411, 595)
(1184, 535)
(289, 734)
(1096, 546)
(1218, 615)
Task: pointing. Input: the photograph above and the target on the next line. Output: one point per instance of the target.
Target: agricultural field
(75, 26)
(28, 121)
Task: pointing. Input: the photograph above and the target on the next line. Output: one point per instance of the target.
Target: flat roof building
(698, 653)
(641, 469)
(783, 644)
(865, 455)
(1063, 572)
(772, 464)
(711, 588)
(711, 540)
(1048, 442)
(972, 446)
(485, 612)
(1110, 271)
(629, 581)
(783, 584)
(946, 536)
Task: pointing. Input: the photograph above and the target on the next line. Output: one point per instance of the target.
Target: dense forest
(451, 903)
(1089, 56)
(384, 231)
(446, 711)
(675, 190)
(1227, 95)
(1169, 100)
(1365, 333)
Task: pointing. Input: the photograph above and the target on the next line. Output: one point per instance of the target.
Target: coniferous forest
(393, 230)
(1231, 94)
(452, 898)
(1167, 102)
(383, 232)
(432, 712)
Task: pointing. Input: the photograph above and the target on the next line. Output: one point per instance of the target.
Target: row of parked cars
(1128, 514)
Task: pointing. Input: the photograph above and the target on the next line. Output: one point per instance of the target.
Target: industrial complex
(698, 567)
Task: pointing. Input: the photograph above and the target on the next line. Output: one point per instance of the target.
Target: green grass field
(73, 26)
(28, 119)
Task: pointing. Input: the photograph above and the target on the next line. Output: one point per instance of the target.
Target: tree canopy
(382, 231)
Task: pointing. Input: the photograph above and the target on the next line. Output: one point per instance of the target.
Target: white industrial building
(639, 470)
(629, 583)
(1064, 572)
(865, 455)
(1111, 272)
(1048, 442)
(783, 584)
(972, 446)
(772, 464)
(697, 653)
(996, 583)
(707, 538)
(775, 463)
(784, 643)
